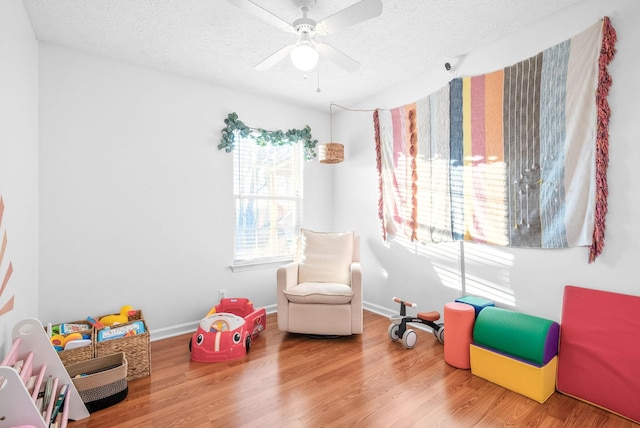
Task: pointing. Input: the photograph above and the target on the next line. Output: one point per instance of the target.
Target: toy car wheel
(247, 343)
(409, 339)
(190, 339)
(393, 332)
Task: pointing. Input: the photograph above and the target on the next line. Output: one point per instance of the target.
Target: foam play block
(459, 319)
(599, 356)
(530, 380)
(478, 303)
(523, 336)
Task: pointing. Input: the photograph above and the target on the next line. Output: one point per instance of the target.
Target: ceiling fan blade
(361, 11)
(263, 14)
(274, 58)
(338, 57)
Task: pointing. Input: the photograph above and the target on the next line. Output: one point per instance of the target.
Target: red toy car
(226, 332)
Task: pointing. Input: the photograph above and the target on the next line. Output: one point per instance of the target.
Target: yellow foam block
(537, 383)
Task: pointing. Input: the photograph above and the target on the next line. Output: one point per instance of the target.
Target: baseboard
(171, 331)
(189, 327)
(271, 309)
(386, 312)
(377, 309)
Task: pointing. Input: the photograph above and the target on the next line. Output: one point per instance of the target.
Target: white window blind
(267, 183)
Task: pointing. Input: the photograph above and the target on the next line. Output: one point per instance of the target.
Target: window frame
(295, 196)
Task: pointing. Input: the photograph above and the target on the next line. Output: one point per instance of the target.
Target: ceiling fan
(305, 50)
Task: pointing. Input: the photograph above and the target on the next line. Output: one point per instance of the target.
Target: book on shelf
(31, 383)
(18, 365)
(57, 407)
(40, 398)
(57, 423)
(48, 386)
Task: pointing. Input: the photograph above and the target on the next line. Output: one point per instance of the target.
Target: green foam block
(521, 335)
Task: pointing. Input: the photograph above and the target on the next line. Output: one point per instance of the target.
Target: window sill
(258, 265)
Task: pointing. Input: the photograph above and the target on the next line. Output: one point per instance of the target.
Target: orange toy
(60, 340)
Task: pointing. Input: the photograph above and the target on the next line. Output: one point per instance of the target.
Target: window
(267, 187)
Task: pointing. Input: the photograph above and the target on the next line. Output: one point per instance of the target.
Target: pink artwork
(5, 306)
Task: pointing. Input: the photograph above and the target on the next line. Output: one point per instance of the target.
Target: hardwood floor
(290, 380)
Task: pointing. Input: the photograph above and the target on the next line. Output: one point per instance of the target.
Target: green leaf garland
(263, 137)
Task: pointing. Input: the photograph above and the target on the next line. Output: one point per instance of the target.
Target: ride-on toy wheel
(409, 339)
(247, 343)
(439, 333)
(393, 332)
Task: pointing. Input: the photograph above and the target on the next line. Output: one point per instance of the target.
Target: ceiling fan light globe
(304, 57)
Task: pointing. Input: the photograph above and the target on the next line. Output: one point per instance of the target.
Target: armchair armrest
(286, 278)
(356, 279)
(356, 301)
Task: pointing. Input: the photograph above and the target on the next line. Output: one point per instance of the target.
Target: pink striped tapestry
(516, 157)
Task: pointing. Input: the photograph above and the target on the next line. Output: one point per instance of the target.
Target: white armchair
(321, 292)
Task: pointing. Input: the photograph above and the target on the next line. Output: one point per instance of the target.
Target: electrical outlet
(222, 293)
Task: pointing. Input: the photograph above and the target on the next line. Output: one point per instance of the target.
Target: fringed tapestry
(517, 157)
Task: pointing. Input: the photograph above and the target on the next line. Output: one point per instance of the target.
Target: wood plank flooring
(290, 380)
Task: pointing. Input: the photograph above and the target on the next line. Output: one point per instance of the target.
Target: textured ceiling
(216, 41)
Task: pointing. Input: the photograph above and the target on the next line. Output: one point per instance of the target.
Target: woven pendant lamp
(331, 152)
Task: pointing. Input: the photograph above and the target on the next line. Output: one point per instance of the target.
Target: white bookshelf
(17, 406)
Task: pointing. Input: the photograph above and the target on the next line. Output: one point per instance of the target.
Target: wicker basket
(83, 353)
(102, 381)
(135, 347)
(136, 316)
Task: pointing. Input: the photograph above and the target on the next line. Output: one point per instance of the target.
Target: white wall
(527, 280)
(18, 165)
(136, 200)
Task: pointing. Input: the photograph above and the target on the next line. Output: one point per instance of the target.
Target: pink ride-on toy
(227, 331)
(398, 328)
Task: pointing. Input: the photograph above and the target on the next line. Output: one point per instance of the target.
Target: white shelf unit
(17, 407)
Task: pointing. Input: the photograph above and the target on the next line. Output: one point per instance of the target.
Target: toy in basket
(398, 328)
(226, 332)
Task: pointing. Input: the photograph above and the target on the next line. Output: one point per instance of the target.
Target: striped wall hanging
(517, 157)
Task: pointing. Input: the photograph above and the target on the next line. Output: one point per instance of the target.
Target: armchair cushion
(325, 257)
(320, 292)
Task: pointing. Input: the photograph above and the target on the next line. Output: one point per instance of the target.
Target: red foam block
(599, 354)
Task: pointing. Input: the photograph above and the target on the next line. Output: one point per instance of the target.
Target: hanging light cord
(334, 152)
(331, 122)
(353, 109)
(331, 105)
